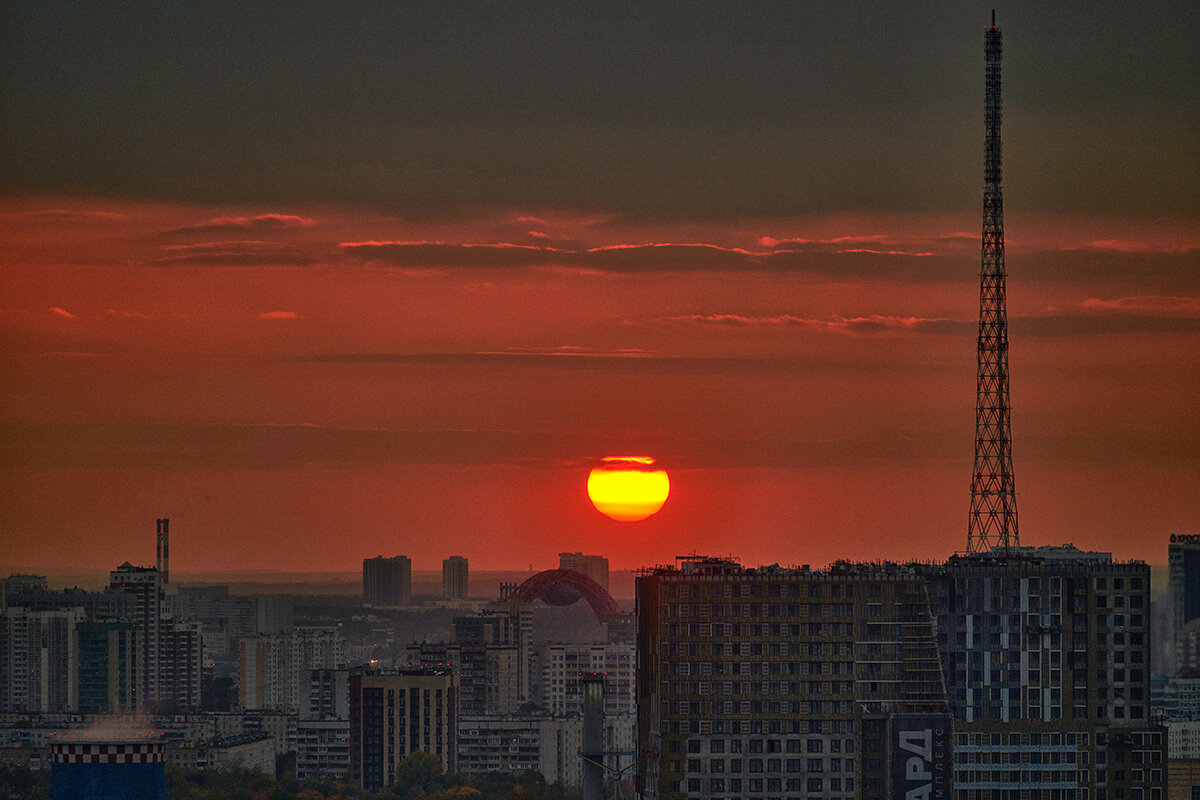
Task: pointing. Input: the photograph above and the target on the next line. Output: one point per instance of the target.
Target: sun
(628, 488)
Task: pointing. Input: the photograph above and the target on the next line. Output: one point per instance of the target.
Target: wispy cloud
(240, 253)
(122, 314)
(1141, 246)
(283, 315)
(880, 243)
(66, 214)
(568, 358)
(62, 312)
(871, 325)
(1162, 305)
(633, 258)
(260, 222)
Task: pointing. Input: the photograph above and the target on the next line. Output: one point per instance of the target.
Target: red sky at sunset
(416, 327)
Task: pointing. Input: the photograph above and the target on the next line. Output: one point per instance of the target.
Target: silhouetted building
(387, 581)
(393, 714)
(454, 578)
(595, 567)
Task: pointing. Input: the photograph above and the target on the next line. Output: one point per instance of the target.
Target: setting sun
(628, 488)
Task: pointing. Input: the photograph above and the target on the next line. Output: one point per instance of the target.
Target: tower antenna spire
(993, 519)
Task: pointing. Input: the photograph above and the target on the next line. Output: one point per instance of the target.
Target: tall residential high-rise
(783, 682)
(993, 518)
(399, 712)
(595, 567)
(180, 665)
(1031, 674)
(144, 586)
(172, 652)
(1183, 563)
(39, 660)
(454, 578)
(387, 581)
(1048, 656)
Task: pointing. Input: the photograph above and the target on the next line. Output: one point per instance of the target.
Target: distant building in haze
(393, 714)
(1183, 564)
(225, 619)
(387, 581)
(454, 578)
(274, 669)
(20, 584)
(595, 567)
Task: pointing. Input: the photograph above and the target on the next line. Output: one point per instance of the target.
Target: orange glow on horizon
(628, 488)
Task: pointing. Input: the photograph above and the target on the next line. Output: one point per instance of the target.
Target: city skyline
(399, 296)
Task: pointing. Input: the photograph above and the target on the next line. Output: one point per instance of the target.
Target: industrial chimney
(164, 549)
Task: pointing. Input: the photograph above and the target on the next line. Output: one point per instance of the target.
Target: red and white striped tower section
(132, 770)
(993, 519)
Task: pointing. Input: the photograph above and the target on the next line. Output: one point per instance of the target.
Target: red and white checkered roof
(108, 753)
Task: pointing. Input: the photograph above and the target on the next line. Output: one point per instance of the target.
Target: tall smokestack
(164, 548)
(593, 736)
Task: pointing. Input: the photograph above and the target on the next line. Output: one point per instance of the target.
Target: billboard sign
(920, 748)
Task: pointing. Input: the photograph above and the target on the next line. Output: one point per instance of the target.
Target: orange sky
(292, 402)
(391, 278)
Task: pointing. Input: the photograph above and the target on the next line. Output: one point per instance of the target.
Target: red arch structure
(562, 587)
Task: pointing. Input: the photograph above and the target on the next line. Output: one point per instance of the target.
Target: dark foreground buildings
(771, 682)
(993, 677)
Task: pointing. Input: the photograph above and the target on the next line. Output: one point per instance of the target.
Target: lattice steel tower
(993, 520)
